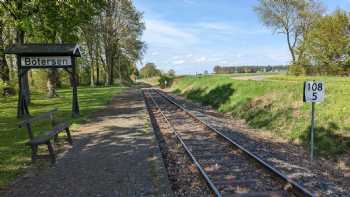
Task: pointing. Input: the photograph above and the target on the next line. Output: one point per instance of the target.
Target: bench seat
(43, 139)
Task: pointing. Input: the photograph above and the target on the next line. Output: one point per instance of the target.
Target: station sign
(46, 61)
(314, 91)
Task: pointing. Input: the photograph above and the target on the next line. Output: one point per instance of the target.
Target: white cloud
(190, 2)
(224, 62)
(154, 53)
(178, 62)
(215, 26)
(230, 28)
(189, 55)
(201, 59)
(162, 33)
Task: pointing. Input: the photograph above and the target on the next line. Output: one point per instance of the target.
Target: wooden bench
(44, 139)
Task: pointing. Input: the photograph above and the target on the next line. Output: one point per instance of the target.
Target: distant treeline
(248, 69)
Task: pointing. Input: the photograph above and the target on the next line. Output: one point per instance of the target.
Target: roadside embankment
(275, 105)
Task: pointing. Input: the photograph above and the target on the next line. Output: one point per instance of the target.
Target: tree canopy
(327, 44)
(292, 18)
(149, 70)
(108, 31)
(318, 42)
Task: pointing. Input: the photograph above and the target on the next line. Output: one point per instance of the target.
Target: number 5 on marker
(314, 91)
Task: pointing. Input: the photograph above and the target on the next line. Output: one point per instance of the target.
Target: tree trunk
(291, 49)
(52, 83)
(97, 65)
(4, 68)
(97, 74)
(109, 62)
(52, 77)
(92, 59)
(92, 78)
(119, 68)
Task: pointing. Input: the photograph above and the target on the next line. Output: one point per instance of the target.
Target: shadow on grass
(215, 97)
(260, 114)
(13, 153)
(327, 141)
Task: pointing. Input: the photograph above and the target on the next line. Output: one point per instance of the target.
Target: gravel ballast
(321, 176)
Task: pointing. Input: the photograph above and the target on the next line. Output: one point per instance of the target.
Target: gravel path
(115, 154)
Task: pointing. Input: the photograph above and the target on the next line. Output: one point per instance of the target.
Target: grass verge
(276, 105)
(14, 155)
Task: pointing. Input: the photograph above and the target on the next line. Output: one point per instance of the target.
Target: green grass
(151, 81)
(275, 105)
(14, 155)
(252, 74)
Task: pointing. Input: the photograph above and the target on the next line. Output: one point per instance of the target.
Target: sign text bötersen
(50, 61)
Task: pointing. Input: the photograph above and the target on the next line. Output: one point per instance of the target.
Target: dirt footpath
(115, 154)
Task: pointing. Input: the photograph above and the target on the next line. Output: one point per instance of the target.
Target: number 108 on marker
(314, 91)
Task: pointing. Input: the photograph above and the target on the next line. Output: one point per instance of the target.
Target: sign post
(312, 134)
(45, 56)
(314, 92)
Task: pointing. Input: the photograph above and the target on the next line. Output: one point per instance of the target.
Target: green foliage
(292, 18)
(165, 81)
(275, 105)
(296, 69)
(3, 86)
(327, 44)
(14, 154)
(171, 73)
(114, 26)
(149, 70)
(62, 19)
(328, 141)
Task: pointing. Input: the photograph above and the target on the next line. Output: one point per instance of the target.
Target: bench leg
(69, 137)
(34, 152)
(52, 152)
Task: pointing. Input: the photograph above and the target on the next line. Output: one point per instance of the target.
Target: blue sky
(192, 36)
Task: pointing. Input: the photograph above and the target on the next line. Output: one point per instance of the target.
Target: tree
(290, 17)
(327, 44)
(4, 68)
(108, 31)
(20, 12)
(217, 69)
(122, 27)
(55, 19)
(171, 73)
(149, 70)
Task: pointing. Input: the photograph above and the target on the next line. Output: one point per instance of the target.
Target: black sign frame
(22, 107)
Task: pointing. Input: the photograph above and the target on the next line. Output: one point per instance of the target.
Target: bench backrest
(27, 122)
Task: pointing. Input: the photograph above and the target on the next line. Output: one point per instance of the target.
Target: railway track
(228, 168)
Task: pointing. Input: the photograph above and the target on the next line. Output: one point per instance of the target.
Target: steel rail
(187, 150)
(296, 188)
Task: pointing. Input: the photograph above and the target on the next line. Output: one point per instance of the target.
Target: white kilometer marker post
(314, 92)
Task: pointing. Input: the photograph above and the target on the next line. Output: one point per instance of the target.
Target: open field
(15, 156)
(275, 104)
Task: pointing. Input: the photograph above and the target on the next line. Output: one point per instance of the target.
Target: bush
(149, 70)
(297, 70)
(327, 141)
(165, 81)
(4, 87)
